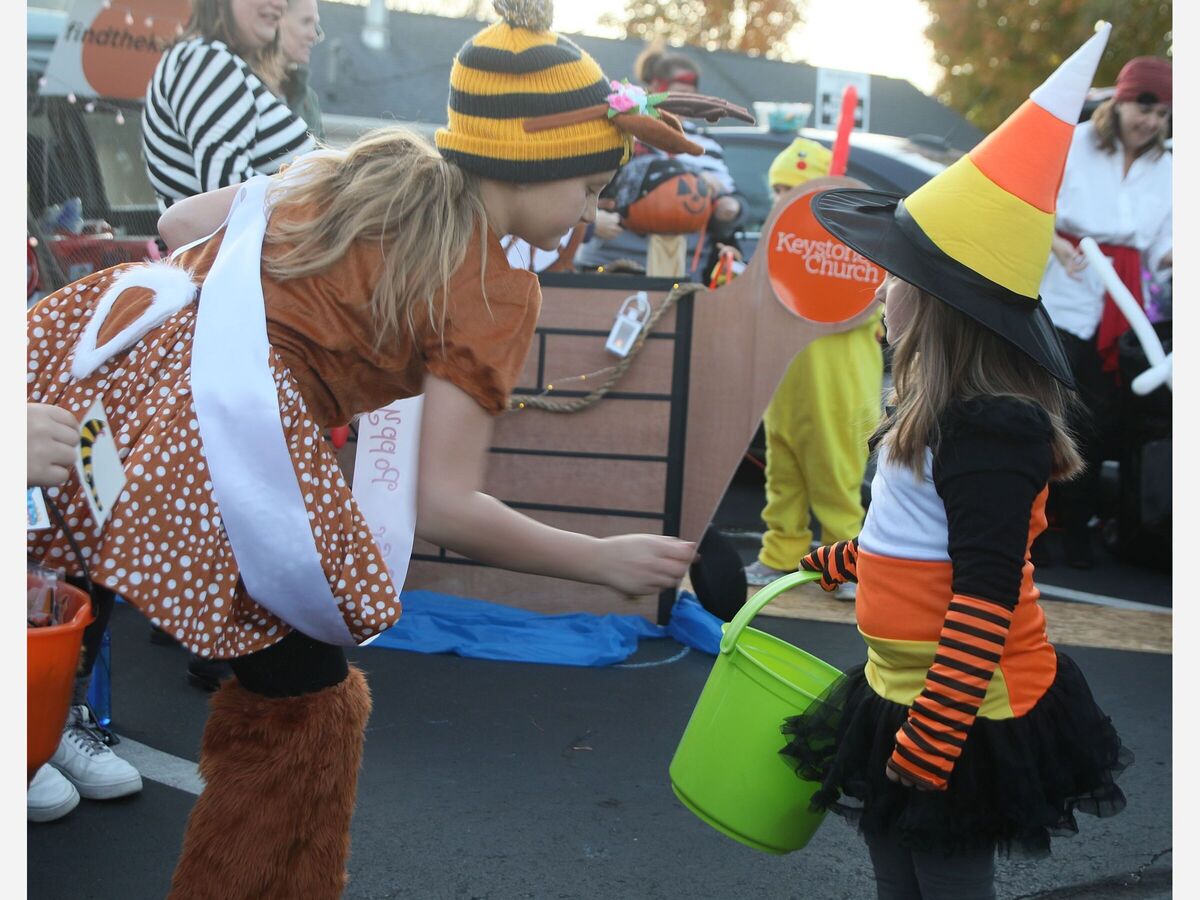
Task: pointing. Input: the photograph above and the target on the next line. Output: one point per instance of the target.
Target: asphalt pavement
(502, 780)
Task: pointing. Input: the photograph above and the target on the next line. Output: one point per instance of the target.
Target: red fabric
(1127, 262)
(1145, 75)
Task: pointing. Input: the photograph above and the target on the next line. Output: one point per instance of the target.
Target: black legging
(904, 874)
(294, 666)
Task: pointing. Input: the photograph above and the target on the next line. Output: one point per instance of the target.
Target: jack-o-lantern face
(679, 204)
(694, 192)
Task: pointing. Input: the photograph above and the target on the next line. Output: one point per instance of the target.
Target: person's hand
(639, 564)
(837, 563)
(726, 209)
(1070, 258)
(907, 782)
(722, 249)
(51, 436)
(608, 225)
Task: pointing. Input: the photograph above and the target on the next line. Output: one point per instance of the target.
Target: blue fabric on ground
(695, 626)
(443, 623)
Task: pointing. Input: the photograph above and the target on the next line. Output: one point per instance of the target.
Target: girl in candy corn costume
(966, 730)
(351, 279)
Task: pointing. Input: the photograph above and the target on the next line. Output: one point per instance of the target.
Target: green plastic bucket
(727, 768)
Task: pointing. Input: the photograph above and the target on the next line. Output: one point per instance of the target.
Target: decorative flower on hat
(628, 97)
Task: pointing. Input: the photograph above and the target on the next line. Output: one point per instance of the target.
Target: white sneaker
(50, 796)
(82, 756)
(759, 573)
(847, 590)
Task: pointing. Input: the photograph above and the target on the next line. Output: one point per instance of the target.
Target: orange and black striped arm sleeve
(991, 463)
(837, 563)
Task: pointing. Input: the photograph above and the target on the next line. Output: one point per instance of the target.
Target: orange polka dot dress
(163, 547)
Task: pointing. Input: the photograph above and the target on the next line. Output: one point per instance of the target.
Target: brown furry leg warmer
(273, 821)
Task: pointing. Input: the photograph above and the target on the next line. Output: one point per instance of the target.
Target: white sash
(237, 408)
(385, 479)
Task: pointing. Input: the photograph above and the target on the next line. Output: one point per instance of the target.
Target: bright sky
(833, 35)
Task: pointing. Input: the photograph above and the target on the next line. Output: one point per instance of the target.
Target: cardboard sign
(110, 50)
(813, 274)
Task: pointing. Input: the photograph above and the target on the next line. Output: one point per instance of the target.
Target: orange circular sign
(123, 45)
(813, 274)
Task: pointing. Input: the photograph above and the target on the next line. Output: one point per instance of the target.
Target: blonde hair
(945, 355)
(1107, 127)
(389, 186)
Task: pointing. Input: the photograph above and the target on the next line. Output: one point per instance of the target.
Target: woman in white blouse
(1116, 190)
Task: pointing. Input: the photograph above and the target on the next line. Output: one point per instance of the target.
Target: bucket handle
(87, 575)
(754, 605)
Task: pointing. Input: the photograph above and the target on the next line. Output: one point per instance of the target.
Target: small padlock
(631, 319)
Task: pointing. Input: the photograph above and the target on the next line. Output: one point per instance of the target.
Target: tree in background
(753, 27)
(996, 51)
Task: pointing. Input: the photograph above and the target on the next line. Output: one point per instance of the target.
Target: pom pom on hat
(533, 15)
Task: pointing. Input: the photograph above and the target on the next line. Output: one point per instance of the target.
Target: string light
(128, 17)
(149, 21)
(71, 97)
(89, 107)
(120, 118)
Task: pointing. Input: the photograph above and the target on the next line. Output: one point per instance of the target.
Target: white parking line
(161, 767)
(1053, 592)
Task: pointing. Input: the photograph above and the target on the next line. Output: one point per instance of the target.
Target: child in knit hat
(348, 281)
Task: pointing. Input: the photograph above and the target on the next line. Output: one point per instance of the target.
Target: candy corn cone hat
(977, 235)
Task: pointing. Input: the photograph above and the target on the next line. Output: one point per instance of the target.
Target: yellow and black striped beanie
(515, 70)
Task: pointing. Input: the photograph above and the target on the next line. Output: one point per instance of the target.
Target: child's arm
(453, 512)
(195, 217)
(992, 463)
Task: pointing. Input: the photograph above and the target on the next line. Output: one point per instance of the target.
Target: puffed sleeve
(481, 344)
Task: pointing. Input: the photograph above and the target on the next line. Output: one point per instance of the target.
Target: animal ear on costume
(652, 118)
(703, 106)
(664, 133)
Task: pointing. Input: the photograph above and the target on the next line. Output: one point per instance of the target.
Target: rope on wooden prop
(577, 404)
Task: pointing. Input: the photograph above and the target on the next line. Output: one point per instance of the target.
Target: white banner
(385, 479)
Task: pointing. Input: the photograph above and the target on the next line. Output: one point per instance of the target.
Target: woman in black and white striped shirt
(209, 120)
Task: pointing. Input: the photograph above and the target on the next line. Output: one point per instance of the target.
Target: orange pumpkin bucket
(52, 660)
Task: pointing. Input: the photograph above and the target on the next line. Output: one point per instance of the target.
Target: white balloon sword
(1160, 370)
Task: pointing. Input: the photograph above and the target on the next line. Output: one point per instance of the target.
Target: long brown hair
(1107, 127)
(389, 186)
(945, 355)
(212, 20)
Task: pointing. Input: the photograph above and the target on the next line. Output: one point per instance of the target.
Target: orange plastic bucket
(53, 658)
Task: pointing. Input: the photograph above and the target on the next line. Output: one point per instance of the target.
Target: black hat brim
(876, 225)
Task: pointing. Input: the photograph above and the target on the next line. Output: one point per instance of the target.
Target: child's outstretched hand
(640, 564)
(837, 563)
(51, 436)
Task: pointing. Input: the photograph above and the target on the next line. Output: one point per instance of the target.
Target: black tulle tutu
(1018, 781)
